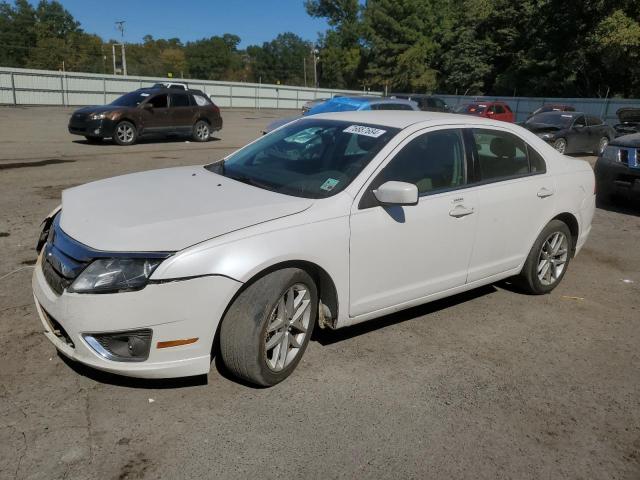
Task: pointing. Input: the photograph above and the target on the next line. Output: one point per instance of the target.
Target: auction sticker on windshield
(362, 130)
(330, 184)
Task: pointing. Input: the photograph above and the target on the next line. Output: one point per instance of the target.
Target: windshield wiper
(251, 181)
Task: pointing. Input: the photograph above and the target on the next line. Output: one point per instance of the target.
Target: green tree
(281, 60)
(214, 58)
(17, 32)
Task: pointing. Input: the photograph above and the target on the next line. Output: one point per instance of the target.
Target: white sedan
(328, 221)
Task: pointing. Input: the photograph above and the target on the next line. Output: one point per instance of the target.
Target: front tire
(201, 131)
(125, 133)
(267, 328)
(560, 145)
(548, 259)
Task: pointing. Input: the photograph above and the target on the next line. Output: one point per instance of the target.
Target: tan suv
(149, 111)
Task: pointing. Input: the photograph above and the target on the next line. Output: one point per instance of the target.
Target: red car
(494, 110)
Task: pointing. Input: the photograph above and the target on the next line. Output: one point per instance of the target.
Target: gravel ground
(488, 384)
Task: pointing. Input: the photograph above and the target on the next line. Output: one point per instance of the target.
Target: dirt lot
(489, 384)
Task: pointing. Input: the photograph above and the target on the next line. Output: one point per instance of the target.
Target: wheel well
(125, 119)
(571, 222)
(204, 119)
(327, 292)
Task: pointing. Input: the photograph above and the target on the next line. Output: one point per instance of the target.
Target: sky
(254, 21)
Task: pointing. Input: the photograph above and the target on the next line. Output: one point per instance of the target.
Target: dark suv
(149, 111)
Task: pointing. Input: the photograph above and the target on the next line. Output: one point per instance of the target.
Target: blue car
(348, 104)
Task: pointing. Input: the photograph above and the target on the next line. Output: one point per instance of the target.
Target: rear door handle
(544, 192)
(460, 211)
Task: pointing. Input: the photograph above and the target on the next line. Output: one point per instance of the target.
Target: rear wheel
(125, 133)
(201, 131)
(267, 328)
(548, 259)
(602, 144)
(560, 145)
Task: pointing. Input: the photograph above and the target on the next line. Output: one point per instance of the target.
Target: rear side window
(179, 100)
(591, 120)
(433, 161)
(503, 155)
(580, 121)
(201, 100)
(499, 109)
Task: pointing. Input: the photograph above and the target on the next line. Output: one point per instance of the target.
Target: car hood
(628, 115)
(629, 141)
(167, 210)
(542, 127)
(97, 109)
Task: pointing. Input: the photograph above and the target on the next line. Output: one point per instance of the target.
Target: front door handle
(544, 192)
(460, 211)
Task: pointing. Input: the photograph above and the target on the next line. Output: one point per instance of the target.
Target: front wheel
(560, 145)
(201, 131)
(548, 259)
(267, 328)
(125, 133)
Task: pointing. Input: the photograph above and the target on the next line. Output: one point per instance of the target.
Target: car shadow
(329, 337)
(121, 381)
(146, 140)
(622, 204)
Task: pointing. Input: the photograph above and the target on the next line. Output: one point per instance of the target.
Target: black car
(571, 132)
(618, 168)
(629, 121)
(427, 103)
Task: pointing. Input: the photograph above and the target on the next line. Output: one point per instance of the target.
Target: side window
(438, 103)
(179, 100)
(500, 154)
(580, 121)
(201, 100)
(499, 109)
(159, 101)
(593, 121)
(536, 162)
(433, 161)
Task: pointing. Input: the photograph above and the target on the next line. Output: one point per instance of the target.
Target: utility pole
(120, 27)
(315, 66)
(304, 69)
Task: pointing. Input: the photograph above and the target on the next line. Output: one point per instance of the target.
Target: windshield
(308, 158)
(341, 104)
(552, 118)
(132, 99)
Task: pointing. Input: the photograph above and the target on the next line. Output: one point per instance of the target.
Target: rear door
(597, 131)
(578, 136)
(181, 111)
(515, 199)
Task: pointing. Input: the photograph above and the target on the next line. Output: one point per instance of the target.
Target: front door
(403, 253)
(156, 118)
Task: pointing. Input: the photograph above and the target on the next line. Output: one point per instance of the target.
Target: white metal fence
(43, 87)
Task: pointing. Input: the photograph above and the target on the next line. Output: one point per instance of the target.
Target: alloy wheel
(552, 259)
(604, 142)
(560, 145)
(202, 131)
(125, 133)
(287, 327)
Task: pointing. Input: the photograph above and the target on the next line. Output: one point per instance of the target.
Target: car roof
(401, 118)
(569, 113)
(363, 99)
(168, 90)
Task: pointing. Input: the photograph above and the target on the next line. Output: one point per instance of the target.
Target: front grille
(57, 329)
(56, 281)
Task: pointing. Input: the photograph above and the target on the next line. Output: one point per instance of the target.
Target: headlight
(546, 136)
(611, 154)
(106, 275)
(97, 116)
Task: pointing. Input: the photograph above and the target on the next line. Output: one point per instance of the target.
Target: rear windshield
(307, 158)
(340, 104)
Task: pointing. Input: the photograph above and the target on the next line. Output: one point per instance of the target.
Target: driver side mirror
(397, 193)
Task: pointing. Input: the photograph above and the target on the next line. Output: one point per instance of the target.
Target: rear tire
(267, 328)
(602, 144)
(548, 259)
(125, 133)
(201, 131)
